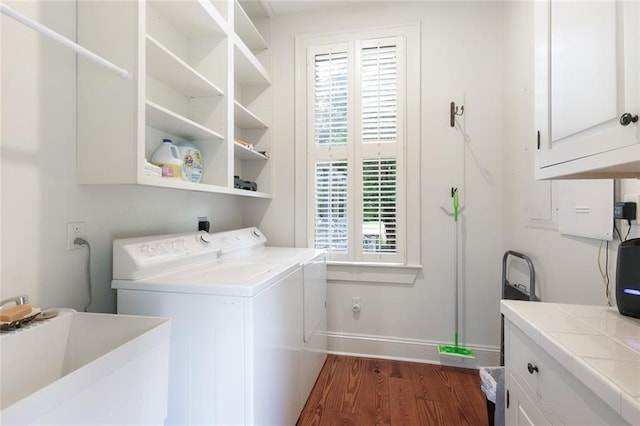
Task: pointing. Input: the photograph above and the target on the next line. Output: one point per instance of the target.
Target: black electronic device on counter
(628, 278)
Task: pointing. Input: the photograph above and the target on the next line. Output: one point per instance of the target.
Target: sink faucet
(19, 300)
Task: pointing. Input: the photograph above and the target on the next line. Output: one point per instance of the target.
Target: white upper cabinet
(192, 60)
(587, 89)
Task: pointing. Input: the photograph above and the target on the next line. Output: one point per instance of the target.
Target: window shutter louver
(331, 98)
(379, 218)
(379, 94)
(331, 220)
(379, 99)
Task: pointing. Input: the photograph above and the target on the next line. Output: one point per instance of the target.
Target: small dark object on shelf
(244, 184)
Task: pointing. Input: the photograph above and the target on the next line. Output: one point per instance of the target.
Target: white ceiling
(282, 7)
(256, 8)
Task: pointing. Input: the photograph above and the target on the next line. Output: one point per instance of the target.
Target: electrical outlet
(74, 230)
(355, 304)
(632, 198)
(204, 224)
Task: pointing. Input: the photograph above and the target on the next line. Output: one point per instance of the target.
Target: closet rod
(63, 40)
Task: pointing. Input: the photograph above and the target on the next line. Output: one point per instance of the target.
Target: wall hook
(453, 212)
(454, 112)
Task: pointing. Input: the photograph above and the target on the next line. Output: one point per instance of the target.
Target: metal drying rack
(512, 291)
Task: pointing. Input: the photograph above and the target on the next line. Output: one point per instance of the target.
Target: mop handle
(454, 195)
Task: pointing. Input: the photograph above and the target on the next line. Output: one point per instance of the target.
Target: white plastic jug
(168, 159)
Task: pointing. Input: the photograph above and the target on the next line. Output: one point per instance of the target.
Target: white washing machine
(248, 321)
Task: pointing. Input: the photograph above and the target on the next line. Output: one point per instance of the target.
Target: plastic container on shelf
(191, 161)
(167, 157)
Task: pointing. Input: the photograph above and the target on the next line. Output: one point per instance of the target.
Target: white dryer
(250, 244)
(248, 321)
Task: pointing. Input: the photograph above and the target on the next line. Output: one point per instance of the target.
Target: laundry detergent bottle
(168, 159)
(191, 162)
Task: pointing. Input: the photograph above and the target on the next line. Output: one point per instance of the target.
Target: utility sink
(83, 368)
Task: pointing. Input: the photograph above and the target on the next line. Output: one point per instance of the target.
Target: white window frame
(373, 268)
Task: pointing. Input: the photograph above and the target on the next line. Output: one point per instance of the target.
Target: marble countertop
(600, 347)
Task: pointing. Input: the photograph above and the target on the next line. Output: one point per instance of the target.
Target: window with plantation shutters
(355, 116)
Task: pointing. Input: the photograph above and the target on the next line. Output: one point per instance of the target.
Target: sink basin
(83, 368)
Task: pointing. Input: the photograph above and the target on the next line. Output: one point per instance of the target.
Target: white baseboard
(403, 349)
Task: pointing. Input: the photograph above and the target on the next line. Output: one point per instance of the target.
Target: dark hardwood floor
(365, 392)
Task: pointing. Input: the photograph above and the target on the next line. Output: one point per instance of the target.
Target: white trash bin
(492, 384)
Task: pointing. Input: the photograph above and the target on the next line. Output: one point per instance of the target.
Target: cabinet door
(520, 410)
(586, 78)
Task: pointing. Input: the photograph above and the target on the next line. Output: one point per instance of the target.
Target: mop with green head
(455, 350)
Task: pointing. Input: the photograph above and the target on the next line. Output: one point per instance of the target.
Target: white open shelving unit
(242, 152)
(200, 75)
(245, 119)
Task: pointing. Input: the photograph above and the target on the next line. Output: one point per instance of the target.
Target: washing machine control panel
(141, 257)
(172, 247)
(238, 239)
(136, 258)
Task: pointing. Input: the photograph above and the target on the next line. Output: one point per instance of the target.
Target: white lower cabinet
(521, 410)
(539, 390)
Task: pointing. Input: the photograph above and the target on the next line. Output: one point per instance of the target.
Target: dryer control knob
(204, 239)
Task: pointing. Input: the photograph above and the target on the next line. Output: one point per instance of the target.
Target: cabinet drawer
(521, 409)
(522, 352)
(568, 399)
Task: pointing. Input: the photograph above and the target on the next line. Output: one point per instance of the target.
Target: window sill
(375, 273)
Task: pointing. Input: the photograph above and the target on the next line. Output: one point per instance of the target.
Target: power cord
(605, 274)
(628, 229)
(615, 228)
(85, 243)
(617, 231)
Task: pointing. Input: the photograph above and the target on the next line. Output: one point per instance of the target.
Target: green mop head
(456, 350)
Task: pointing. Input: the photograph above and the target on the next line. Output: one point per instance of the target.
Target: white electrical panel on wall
(541, 204)
(585, 208)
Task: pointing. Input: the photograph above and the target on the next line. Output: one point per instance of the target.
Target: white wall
(39, 194)
(461, 59)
